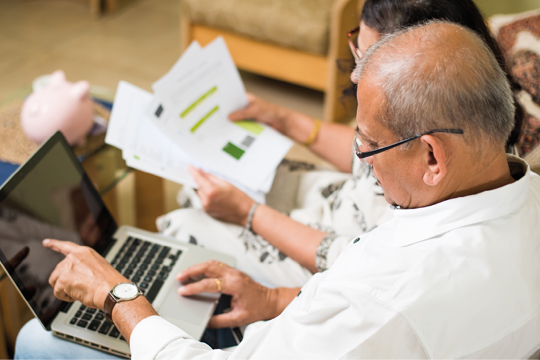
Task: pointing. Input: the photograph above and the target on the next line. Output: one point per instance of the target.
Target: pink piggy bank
(60, 106)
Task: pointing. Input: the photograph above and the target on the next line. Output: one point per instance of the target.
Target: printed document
(145, 147)
(191, 105)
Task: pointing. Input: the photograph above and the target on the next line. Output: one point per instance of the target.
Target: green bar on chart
(205, 117)
(234, 151)
(197, 102)
(250, 126)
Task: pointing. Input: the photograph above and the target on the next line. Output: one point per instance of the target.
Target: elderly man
(454, 274)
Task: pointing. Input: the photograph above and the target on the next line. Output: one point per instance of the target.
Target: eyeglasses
(365, 154)
(352, 37)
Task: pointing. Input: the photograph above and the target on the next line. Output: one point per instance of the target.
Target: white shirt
(457, 279)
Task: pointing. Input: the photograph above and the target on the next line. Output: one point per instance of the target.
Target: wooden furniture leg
(98, 7)
(95, 8)
(110, 6)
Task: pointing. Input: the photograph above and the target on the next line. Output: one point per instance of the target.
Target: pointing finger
(63, 247)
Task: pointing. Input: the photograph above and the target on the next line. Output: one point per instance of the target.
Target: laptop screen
(48, 197)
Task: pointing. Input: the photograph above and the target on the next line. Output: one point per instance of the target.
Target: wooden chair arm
(345, 16)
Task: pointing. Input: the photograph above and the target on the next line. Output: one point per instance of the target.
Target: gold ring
(220, 264)
(218, 283)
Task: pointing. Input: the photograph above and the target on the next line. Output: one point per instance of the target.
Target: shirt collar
(415, 225)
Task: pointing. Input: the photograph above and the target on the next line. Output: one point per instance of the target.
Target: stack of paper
(185, 122)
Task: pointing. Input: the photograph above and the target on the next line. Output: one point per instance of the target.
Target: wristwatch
(119, 293)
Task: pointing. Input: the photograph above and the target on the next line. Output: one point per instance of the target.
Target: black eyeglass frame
(362, 155)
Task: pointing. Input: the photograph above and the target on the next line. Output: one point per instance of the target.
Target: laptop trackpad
(190, 310)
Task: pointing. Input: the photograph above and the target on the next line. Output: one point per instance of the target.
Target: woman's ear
(435, 160)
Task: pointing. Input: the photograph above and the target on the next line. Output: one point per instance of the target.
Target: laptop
(50, 196)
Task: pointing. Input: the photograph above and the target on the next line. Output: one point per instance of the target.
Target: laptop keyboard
(146, 264)
(94, 320)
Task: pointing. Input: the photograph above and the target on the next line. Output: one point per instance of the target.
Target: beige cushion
(298, 24)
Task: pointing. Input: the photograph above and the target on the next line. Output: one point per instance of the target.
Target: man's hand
(83, 275)
(220, 199)
(262, 111)
(250, 300)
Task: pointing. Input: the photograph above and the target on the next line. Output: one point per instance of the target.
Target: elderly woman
(327, 209)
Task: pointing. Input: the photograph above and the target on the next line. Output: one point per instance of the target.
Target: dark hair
(388, 16)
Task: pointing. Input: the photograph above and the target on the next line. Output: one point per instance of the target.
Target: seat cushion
(299, 24)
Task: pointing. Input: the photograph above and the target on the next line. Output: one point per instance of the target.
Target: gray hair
(432, 84)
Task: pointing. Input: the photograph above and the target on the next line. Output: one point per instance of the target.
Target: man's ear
(435, 156)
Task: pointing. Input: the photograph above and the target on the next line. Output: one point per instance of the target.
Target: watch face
(125, 291)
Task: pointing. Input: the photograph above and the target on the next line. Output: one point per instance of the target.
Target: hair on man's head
(388, 16)
(440, 75)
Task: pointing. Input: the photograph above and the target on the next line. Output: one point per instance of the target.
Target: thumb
(242, 114)
(245, 113)
(223, 320)
(200, 177)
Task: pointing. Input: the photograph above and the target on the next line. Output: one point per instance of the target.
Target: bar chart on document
(231, 147)
(185, 122)
(237, 137)
(191, 105)
(145, 147)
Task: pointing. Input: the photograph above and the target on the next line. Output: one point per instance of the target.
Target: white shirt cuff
(156, 338)
(152, 335)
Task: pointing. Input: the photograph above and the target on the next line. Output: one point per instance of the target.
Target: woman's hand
(250, 300)
(220, 199)
(264, 112)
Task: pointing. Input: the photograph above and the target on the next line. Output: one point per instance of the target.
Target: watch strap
(110, 301)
